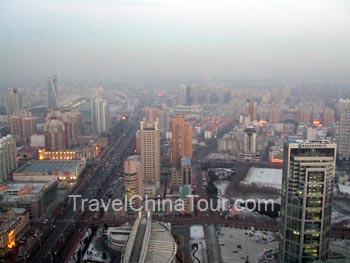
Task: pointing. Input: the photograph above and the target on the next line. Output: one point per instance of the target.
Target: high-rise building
(250, 140)
(328, 117)
(52, 93)
(71, 126)
(164, 121)
(251, 108)
(195, 90)
(186, 171)
(185, 95)
(99, 112)
(13, 101)
(311, 134)
(150, 156)
(152, 114)
(275, 115)
(181, 143)
(7, 157)
(54, 134)
(138, 142)
(176, 176)
(133, 180)
(305, 116)
(15, 123)
(22, 125)
(306, 204)
(344, 131)
(250, 152)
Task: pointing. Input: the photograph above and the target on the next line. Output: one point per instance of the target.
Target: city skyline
(174, 131)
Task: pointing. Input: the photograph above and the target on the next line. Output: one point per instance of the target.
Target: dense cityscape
(202, 141)
(149, 131)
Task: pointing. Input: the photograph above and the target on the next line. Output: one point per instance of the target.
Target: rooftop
(214, 126)
(13, 191)
(27, 150)
(8, 224)
(264, 177)
(202, 123)
(12, 219)
(297, 141)
(161, 246)
(50, 167)
(149, 242)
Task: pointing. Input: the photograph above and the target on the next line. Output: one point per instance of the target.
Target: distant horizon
(174, 84)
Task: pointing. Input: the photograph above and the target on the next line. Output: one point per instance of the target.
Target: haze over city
(201, 131)
(98, 41)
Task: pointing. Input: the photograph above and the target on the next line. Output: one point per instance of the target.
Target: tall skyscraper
(22, 125)
(7, 157)
(150, 156)
(181, 144)
(133, 180)
(306, 204)
(13, 101)
(344, 131)
(52, 93)
(99, 112)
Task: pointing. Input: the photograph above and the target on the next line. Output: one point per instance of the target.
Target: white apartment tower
(13, 101)
(99, 112)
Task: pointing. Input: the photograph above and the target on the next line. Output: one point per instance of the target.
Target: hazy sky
(100, 40)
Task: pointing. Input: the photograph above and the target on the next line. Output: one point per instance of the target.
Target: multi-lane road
(93, 186)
